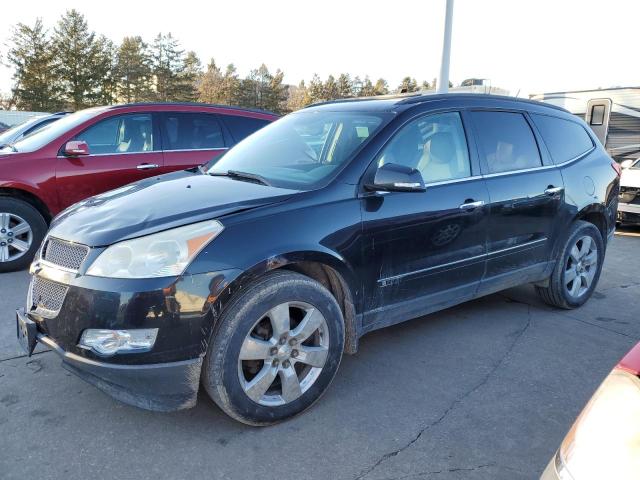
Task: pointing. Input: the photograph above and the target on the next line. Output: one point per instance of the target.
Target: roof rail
(192, 104)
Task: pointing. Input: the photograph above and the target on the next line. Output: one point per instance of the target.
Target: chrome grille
(46, 297)
(64, 254)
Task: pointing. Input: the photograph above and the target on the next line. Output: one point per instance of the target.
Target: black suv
(254, 274)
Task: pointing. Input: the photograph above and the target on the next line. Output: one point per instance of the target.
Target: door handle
(147, 166)
(553, 190)
(468, 206)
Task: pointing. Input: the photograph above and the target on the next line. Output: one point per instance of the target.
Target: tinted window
(120, 134)
(434, 144)
(241, 127)
(192, 131)
(597, 115)
(302, 150)
(506, 141)
(565, 139)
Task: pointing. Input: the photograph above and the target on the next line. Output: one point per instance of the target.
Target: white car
(629, 202)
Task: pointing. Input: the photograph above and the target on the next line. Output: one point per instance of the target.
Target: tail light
(616, 166)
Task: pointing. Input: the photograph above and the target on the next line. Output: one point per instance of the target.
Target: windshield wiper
(252, 177)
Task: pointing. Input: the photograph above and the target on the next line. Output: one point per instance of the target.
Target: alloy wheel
(581, 266)
(16, 237)
(283, 354)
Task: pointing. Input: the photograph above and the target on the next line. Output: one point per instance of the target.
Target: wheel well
(599, 220)
(28, 198)
(335, 283)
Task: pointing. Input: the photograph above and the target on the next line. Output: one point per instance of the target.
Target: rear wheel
(276, 350)
(22, 229)
(577, 268)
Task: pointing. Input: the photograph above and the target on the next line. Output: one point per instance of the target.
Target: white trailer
(612, 113)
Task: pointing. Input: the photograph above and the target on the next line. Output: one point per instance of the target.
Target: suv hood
(157, 204)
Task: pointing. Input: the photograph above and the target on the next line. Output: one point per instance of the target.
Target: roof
(192, 104)
(403, 101)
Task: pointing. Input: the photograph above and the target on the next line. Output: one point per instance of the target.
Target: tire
(15, 216)
(560, 291)
(249, 326)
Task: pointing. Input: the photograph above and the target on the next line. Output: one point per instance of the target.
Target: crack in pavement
(518, 335)
(446, 470)
(23, 356)
(563, 313)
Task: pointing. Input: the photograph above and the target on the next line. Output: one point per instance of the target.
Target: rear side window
(565, 139)
(506, 141)
(192, 131)
(241, 127)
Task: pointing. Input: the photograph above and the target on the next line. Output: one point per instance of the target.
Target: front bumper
(158, 386)
(628, 213)
(166, 378)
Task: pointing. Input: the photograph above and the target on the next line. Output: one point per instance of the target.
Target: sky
(525, 46)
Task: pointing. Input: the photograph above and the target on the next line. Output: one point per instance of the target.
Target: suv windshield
(42, 137)
(303, 150)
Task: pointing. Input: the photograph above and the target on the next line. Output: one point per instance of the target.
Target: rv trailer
(612, 113)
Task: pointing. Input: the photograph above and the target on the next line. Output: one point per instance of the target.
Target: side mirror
(392, 177)
(76, 148)
(626, 164)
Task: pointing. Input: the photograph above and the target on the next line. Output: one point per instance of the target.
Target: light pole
(443, 80)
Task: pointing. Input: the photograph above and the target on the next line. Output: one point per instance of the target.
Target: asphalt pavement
(485, 390)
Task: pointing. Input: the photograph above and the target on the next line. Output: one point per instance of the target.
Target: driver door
(122, 149)
(424, 251)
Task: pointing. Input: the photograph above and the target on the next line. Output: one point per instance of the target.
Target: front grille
(64, 254)
(46, 297)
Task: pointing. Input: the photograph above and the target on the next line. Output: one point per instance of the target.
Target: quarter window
(597, 115)
(434, 144)
(192, 131)
(506, 141)
(120, 134)
(565, 139)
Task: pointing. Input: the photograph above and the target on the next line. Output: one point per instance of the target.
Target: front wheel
(22, 229)
(276, 350)
(577, 268)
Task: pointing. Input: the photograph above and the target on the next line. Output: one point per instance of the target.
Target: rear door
(191, 139)
(122, 149)
(526, 192)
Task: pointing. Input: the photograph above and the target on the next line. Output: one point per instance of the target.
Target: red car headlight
(604, 442)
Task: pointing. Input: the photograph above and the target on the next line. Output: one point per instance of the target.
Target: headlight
(604, 442)
(164, 254)
(110, 342)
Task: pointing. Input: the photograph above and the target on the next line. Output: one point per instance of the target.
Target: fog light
(110, 342)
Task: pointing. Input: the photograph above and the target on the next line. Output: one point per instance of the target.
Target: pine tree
(167, 64)
(133, 71)
(36, 86)
(316, 90)
(367, 89)
(77, 52)
(261, 89)
(381, 87)
(105, 72)
(298, 97)
(190, 73)
(425, 86)
(408, 85)
(345, 87)
(330, 90)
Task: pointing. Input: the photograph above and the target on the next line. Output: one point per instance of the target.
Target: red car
(99, 149)
(604, 442)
